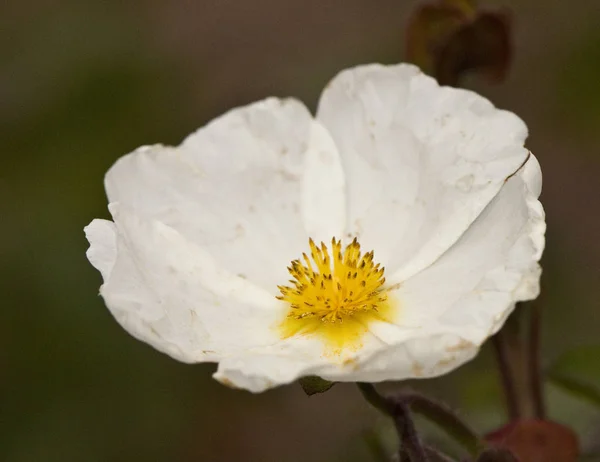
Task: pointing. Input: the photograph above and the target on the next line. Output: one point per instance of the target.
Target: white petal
(283, 363)
(259, 369)
(428, 177)
(448, 309)
(473, 287)
(235, 187)
(388, 352)
(417, 357)
(323, 188)
(170, 293)
(421, 161)
(103, 245)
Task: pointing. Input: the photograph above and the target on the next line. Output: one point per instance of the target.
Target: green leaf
(313, 385)
(578, 372)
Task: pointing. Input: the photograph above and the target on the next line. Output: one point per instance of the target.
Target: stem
(375, 399)
(436, 456)
(535, 369)
(411, 448)
(404, 457)
(444, 417)
(436, 412)
(411, 443)
(506, 375)
(519, 363)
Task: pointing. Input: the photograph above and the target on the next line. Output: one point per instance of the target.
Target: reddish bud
(537, 441)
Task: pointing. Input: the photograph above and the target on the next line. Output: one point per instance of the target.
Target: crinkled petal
(435, 180)
(103, 251)
(473, 287)
(240, 187)
(171, 293)
(412, 357)
(448, 310)
(421, 161)
(323, 188)
(261, 368)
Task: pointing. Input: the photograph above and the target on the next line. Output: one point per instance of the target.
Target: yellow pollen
(335, 295)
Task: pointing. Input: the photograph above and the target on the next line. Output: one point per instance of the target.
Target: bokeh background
(83, 82)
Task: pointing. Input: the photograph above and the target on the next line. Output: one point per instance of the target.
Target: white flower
(435, 181)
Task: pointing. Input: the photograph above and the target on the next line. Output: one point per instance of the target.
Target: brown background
(84, 82)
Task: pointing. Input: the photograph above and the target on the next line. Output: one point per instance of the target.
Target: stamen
(357, 282)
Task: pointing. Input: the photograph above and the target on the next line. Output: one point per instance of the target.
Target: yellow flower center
(335, 296)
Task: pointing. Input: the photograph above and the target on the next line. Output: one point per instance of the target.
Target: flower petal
(448, 309)
(423, 159)
(417, 357)
(323, 188)
(235, 187)
(171, 294)
(473, 287)
(103, 245)
(435, 180)
(260, 369)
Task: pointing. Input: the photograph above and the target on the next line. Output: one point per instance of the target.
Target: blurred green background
(84, 82)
